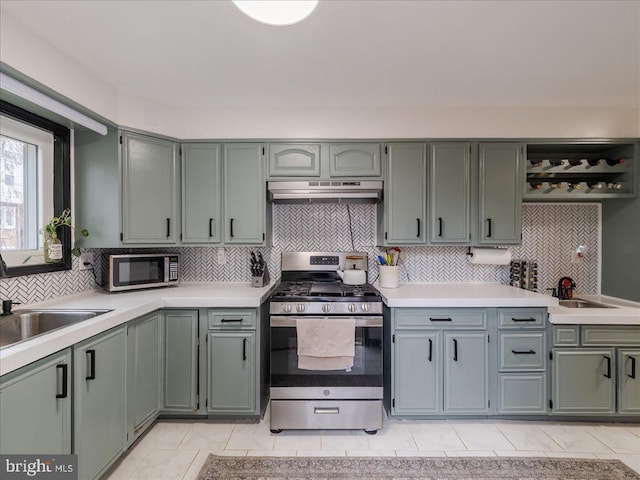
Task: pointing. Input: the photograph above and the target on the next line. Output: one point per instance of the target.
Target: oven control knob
(300, 308)
(365, 307)
(286, 307)
(352, 307)
(326, 308)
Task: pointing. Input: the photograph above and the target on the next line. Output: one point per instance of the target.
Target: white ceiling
(191, 54)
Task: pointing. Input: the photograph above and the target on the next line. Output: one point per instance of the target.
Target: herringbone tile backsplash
(550, 233)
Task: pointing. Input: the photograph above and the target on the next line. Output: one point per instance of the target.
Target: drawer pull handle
(523, 352)
(92, 365)
(633, 367)
(230, 320)
(326, 410)
(523, 319)
(455, 350)
(608, 374)
(65, 372)
(441, 319)
(430, 350)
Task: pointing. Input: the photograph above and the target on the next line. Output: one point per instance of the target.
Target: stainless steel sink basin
(26, 324)
(576, 303)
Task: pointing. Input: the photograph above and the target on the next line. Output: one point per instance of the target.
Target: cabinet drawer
(521, 317)
(232, 319)
(521, 393)
(597, 335)
(566, 335)
(521, 351)
(440, 318)
(322, 414)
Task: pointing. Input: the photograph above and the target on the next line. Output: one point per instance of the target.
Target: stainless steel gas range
(318, 396)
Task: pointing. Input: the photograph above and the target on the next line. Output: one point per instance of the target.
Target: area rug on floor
(406, 468)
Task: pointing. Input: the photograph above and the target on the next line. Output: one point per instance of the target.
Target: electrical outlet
(85, 258)
(222, 258)
(577, 258)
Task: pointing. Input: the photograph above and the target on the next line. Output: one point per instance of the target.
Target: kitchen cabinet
(245, 219)
(500, 193)
(201, 193)
(403, 212)
(354, 160)
(294, 160)
(449, 192)
(180, 393)
(440, 362)
(144, 375)
(100, 431)
(522, 353)
(598, 375)
(150, 173)
(35, 407)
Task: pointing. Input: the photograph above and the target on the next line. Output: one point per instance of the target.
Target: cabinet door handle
(231, 227)
(433, 319)
(210, 227)
(92, 365)
(430, 350)
(489, 228)
(244, 349)
(168, 227)
(633, 367)
(418, 220)
(230, 320)
(608, 374)
(439, 226)
(523, 352)
(523, 319)
(455, 350)
(65, 372)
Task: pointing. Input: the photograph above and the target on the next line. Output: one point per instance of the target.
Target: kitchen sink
(26, 324)
(582, 304)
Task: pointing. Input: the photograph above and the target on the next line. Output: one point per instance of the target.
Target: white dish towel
(326, 343)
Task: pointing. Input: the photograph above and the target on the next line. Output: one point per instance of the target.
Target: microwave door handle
(166, 269)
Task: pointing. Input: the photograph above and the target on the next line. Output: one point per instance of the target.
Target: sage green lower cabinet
(231, 362)
(180, 361)
(100, 430)
(144, 372)
(628, 381)
(35, 407)
(466, 372)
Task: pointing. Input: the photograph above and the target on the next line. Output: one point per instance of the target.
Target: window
(34, 185)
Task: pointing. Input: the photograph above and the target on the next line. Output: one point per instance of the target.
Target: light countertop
(125, 307)
(624, 313)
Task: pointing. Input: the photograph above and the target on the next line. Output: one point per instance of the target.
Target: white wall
(30, 55)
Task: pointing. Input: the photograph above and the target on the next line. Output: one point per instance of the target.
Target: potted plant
(52, 244)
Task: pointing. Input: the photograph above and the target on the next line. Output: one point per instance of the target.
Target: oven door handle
(289, 321)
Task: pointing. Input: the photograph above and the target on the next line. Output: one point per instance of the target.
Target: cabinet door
(144, 376)
(354, 160)
(500, 189)
(245, 195)
(201, 193)
(99, 401)
(466, 372)
(35, 407)
(180, 360)
(417, 373)
(294, 160)
(449, 171)
(404, 192)
(628, 381)
(149, 190)
(583, 380)
(232, 379)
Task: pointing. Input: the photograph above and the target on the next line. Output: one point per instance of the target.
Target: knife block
(261, 280)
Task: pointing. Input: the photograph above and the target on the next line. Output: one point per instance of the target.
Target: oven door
(366, 370)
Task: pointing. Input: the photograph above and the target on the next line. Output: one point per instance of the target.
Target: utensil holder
(261, 280)
(389, 276)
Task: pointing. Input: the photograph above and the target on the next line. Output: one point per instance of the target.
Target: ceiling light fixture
(277, 12)
(11, 85)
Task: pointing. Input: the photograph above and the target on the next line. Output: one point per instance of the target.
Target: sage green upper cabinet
(100, 403)
(404, 194)
(201, 193)
(500, 190)
(35, 407)
(150, 189)
(294, 160)
(354, 160)
(244, 193)
(449, 189)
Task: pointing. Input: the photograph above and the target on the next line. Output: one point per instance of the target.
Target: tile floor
(177, 450)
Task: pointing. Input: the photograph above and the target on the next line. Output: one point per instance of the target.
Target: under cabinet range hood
(329, 191)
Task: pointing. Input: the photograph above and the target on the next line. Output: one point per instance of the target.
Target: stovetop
(333, 291)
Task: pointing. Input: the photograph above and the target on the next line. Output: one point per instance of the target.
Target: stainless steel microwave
(137, 271)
